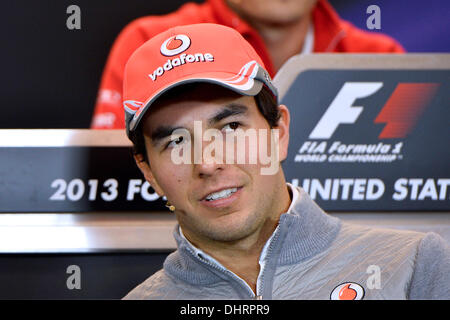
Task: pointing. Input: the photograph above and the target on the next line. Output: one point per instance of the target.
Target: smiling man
(244, 233)
(228, 210)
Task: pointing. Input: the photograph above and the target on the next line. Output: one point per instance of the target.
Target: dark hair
(267, 105)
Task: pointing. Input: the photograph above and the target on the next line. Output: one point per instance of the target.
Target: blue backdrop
(420, 26)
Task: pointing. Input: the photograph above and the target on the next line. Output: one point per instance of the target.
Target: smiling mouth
(222, 194)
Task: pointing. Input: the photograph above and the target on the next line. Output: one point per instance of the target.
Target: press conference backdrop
(369, 142)
(369, 133)
(80, 183)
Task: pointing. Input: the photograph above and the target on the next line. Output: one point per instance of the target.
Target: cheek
(171, 178)
(260, 149)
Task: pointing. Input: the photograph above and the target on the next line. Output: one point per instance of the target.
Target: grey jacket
(312, 255)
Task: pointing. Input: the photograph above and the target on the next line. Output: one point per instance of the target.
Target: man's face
(272, 11)
(221, 202)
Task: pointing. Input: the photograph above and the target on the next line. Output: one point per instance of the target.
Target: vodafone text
(416, 189)
(184, 58)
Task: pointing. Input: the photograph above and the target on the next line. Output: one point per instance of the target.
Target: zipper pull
(258, 298)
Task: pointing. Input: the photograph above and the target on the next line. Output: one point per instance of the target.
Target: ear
(283, 127)
(148, 174)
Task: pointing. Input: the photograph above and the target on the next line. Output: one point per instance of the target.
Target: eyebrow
(162, 132)
(228, 111)
(232, 109)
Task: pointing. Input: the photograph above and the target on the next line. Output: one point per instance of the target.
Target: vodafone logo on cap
(175, 45)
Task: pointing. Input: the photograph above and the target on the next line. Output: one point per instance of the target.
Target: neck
(283, 41)
(242, 256)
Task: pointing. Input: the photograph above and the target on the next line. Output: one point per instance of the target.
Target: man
(243, 232)
(277, 29)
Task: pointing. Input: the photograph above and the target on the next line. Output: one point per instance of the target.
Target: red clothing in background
(331, 34)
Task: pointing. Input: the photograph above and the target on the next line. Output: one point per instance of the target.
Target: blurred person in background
(277, 30)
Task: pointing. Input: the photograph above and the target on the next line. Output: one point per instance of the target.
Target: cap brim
(243, 85)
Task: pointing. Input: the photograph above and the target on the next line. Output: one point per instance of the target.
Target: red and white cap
(193, 53)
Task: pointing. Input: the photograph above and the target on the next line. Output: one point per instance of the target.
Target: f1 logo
(341, 110)
(400, 113)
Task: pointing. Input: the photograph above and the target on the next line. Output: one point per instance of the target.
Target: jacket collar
(302, 232)
(308, 230)
(328, 27)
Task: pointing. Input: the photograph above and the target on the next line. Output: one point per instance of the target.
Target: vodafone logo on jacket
(347, 291)
(175, 45)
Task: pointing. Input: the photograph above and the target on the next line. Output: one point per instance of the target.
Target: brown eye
(231, 126)
(175, 142)
(179, 140)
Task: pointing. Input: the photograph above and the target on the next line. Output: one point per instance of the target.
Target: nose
(208, 167)
(208, 151)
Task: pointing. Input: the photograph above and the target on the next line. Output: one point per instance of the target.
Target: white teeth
(221, 194)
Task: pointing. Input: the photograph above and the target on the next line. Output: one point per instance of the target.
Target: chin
(232, 227)
(228, 235)
(280, 19)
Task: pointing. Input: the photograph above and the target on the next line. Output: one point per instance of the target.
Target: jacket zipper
(261, 271)
(229, 273)
(236, 277)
